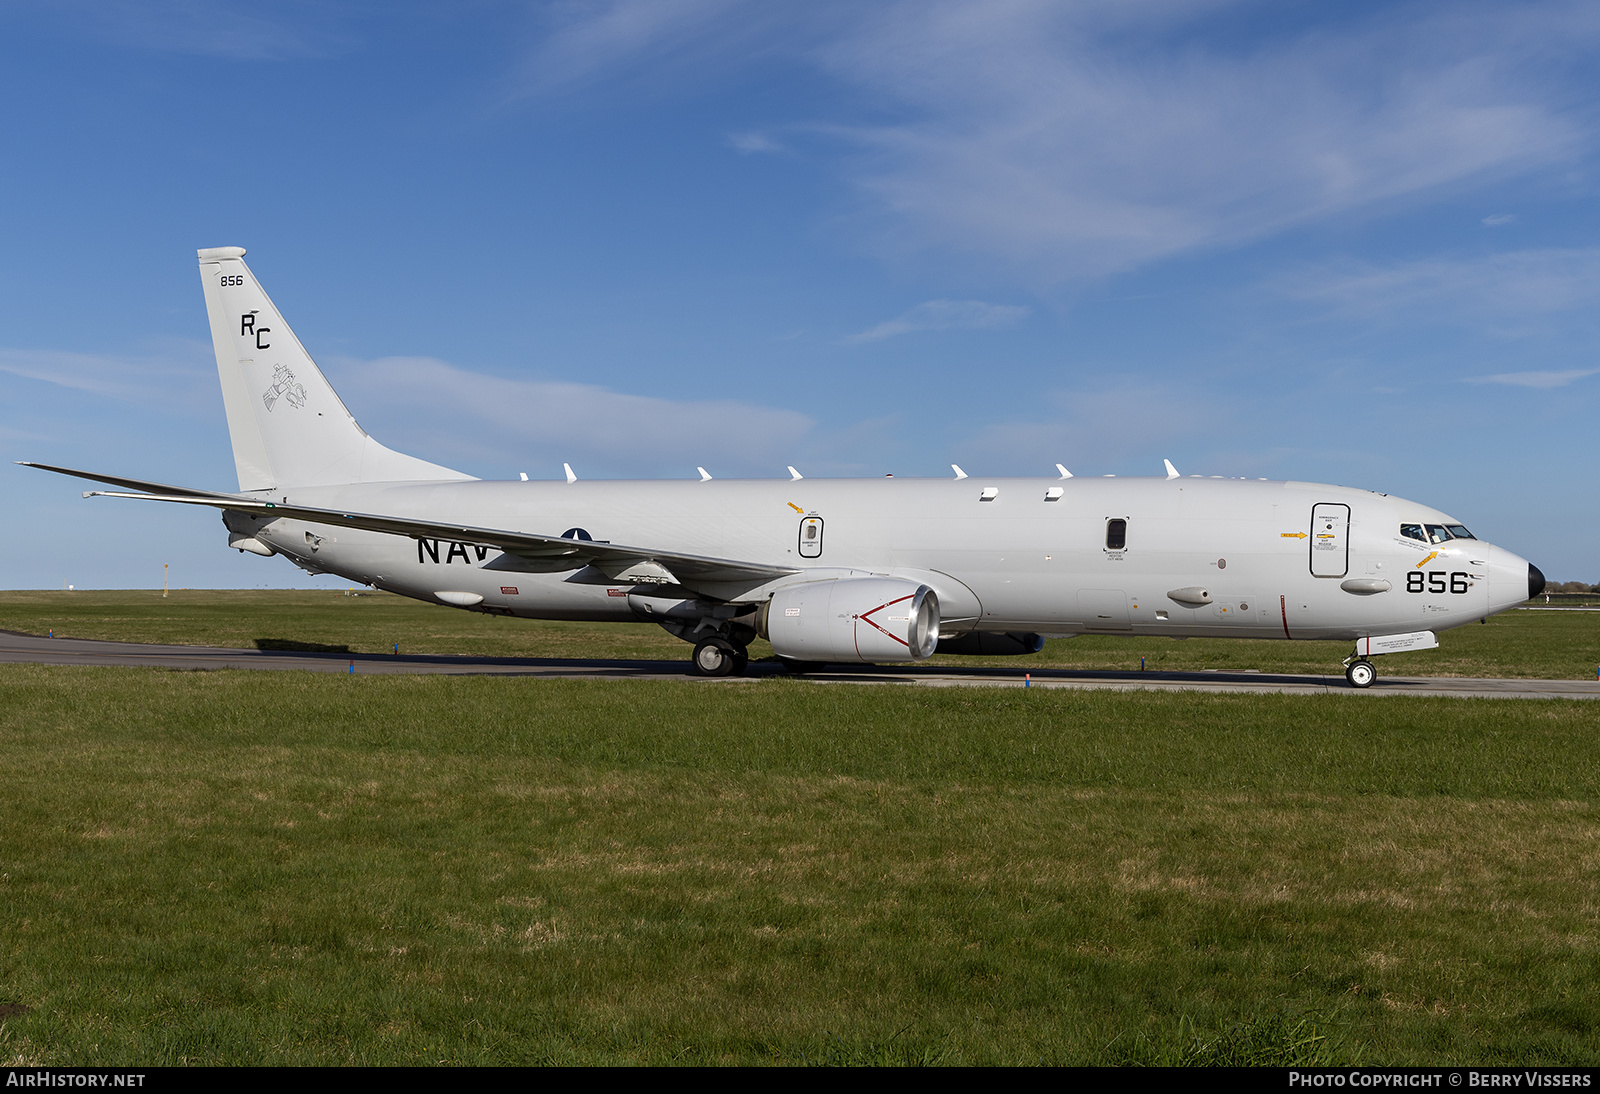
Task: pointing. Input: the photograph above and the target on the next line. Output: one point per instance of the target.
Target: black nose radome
(1535, 581)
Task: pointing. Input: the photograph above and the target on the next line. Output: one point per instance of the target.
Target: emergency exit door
(811, 537)
(1330, 540)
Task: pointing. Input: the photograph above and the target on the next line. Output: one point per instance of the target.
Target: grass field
(239, 867)
(1536, 644)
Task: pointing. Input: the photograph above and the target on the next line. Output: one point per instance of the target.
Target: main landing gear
(716, 656)
(1361, 674)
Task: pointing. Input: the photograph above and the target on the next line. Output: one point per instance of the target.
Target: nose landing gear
(1361, 674)
(1359, 671)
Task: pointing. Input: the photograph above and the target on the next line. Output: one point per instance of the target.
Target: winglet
(705, 476)
(794, 475)
(1172, 472)
(960, 474)
(567, 467)
(1064, 472)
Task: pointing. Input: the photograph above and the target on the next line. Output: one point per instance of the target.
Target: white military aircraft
(868, 571)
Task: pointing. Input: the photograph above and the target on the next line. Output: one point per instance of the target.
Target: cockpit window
(1435, 533)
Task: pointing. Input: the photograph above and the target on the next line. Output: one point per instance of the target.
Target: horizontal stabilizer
(129, 484)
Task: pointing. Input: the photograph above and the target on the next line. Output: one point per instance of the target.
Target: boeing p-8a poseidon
(826, 570)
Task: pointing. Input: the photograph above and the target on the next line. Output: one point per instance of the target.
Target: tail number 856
(1437, 581)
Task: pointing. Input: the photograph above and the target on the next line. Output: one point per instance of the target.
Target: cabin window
(1116, 534)
(1438, 533)
(1414, 531)
(1459, 532)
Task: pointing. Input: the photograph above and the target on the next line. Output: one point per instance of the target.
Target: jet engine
(863, 619)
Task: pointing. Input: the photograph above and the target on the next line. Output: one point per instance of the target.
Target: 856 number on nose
(1437, 581)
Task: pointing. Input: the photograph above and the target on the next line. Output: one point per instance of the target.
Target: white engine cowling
(854, 619)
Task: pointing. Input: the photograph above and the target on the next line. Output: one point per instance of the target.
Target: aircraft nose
(1512, 578)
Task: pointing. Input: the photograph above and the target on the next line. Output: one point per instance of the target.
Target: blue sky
(1350, 243)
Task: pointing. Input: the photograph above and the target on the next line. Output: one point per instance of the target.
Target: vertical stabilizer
(289, 427)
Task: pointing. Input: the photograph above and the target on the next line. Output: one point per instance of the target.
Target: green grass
(243, 867)
(1530, 644)
(276, 619)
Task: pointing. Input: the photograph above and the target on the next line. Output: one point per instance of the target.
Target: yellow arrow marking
(1292, 535)
(795, 507)
(1427, 560)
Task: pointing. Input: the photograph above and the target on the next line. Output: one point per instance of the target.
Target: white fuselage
(1018, 555)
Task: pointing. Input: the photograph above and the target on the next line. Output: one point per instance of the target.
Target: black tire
(717, 657)
(1361, 674)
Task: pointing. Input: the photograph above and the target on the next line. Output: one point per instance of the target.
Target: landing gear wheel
(719, 657)
(1361, 674)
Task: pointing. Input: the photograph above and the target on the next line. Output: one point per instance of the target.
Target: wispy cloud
(1125, 427)
(1536, 379)
(680, 43)
(453, 413)
(180, 377)
(209, 29)
(1499, 220)
(1074, 140)
(1514, 284)
(1084, 140)
(946, 315)
(753, 142)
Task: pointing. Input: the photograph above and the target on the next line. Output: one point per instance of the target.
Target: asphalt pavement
(34, 649)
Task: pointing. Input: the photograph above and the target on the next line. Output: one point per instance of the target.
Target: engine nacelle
(853, 619)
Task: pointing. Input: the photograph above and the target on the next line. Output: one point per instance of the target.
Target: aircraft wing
(617, 562)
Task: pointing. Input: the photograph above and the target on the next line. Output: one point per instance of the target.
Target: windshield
(1435, 533)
